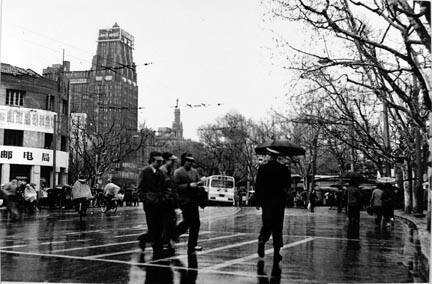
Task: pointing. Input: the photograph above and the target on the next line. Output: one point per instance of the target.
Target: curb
(423, 268)
(410, 222)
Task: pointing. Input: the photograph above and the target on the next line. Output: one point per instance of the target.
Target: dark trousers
(169, 222)
(154, 217)
(272, 224)
(354, 213)
(190, 221)
(378, 210)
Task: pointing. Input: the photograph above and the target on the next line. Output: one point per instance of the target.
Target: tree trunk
(407, 177)
(418, 185)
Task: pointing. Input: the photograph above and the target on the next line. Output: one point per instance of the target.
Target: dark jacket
(272, 183)
(170, 195)
(151, 186)
(182, 179)
(353, 196)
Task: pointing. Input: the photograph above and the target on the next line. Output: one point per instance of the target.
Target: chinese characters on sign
(45, 157)
(6, 155)
(28, 156)
(26, 119)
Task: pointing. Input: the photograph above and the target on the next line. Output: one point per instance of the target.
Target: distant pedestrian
(170, 201)
(353, 199)
(151, 188)
(81, 193)
(111, 191)
(312, 200)
(340, 198)
(188, 184)
(377, 205)
(9, 193)
(272, 183)
(388, 204)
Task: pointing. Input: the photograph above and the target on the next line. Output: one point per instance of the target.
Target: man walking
(376, 203)
(170, 201)
(150, 188)
(187, 179)
(272, 182)
(353, 198)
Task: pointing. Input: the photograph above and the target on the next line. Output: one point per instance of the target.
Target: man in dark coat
(272, 182)
(353, 199)
(151, 189)
(187, 180)
(170, 200)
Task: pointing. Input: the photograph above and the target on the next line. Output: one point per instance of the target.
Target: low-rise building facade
(34, 123)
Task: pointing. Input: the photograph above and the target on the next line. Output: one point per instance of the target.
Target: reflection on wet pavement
(318, 247)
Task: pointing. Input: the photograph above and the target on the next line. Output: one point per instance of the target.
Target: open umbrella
(353, 176)
(285, 148)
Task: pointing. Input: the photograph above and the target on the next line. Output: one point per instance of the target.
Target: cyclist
(9, 192)
(111, 191)
(81, 193)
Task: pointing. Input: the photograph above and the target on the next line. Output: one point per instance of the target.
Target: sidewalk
(424, 236)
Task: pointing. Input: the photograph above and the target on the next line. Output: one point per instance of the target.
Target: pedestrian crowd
(165, 193)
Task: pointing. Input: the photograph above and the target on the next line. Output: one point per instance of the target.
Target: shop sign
(19, 118)
(32, 156)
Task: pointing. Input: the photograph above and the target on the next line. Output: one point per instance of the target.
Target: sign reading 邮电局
(32, 156)
(20, 118)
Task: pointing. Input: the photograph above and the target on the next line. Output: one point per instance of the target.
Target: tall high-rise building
(108, 93)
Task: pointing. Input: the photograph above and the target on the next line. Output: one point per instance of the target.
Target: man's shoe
(142, 241)
(191, 251)
(260, 251)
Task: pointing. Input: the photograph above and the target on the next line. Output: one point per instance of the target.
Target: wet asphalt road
(319, 247)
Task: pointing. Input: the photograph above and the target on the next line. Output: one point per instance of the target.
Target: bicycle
(81, 205)
(108, 205)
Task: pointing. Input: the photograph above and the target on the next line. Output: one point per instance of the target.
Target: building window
(50, 102)
(48, 140)
(64, 107)
(15, 97)
(63, 143)
(13, 137)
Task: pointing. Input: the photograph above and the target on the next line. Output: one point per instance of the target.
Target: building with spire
(174, 133)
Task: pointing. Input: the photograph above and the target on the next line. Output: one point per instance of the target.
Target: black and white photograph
(215, 141)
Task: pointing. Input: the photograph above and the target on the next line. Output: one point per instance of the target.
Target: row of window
(15, 138)
(16, 98)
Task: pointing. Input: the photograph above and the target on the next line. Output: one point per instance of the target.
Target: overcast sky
(203, 51)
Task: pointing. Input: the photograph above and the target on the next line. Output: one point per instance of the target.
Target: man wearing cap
(272, 182)
(187, 179)
(150, 189)
(170, 200)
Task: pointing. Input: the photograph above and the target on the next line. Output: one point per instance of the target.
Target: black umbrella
(284, 147)
(353, 176)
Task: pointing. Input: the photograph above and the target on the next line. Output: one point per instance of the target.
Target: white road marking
(207, 251)
(95, 246)
(179, 244)
(253, 256)
(66, 241)
(248, 275)
(15, 246)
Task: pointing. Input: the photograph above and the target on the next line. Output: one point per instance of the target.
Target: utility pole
(54, 146)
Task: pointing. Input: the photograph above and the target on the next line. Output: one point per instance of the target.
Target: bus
(220, 188)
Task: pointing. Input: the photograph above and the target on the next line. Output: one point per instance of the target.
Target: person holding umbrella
(272, 182)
